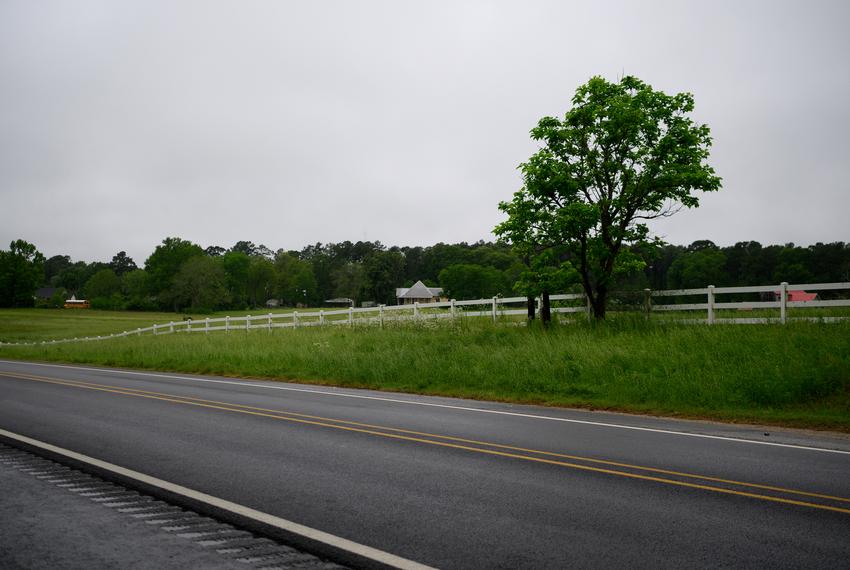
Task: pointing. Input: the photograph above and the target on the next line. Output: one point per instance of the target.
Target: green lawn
(797, 374)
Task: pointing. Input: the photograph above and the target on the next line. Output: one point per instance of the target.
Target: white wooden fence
(498, 308)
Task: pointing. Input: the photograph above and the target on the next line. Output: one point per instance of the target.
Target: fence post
(139, 331)
(710, 304)
(381, 315)
(452, 309)
(270, 322)
(350, 316)
(295, 319)
(415, 310)
(170, 327)
(154, 330)
(783, 302)
(207, 325)
(227, 323)
(247, 323)
(321, 316)
(495, 314)
(647, 302)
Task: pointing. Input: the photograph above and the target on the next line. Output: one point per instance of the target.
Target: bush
(115, 302)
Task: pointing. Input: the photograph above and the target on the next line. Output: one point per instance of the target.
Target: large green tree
(102, 284)
(702, 265)
(21, 271)
(350, 280)
(260, 281)
(122, 263)
(164, 263)
(134, 285)
(296, 282)
(55, 266)
(236, 264)
(622, 155)
(384, 272)
(200, 284)
(469, 281)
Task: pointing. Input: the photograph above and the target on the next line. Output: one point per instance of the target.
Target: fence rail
(497, 308)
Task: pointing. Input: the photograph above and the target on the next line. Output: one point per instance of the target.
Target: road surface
(455, 483)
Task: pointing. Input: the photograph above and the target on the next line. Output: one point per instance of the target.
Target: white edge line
(431, 404)
(265, 518)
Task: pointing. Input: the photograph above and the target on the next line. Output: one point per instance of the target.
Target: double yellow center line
(665, 476)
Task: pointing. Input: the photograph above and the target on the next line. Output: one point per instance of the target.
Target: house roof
(797, 295)
(45, 292)
(418, 291)
(801, 296)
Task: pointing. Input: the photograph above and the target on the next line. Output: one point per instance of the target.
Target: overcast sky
(289, 123)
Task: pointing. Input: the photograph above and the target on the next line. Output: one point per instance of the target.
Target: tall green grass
(797, 374)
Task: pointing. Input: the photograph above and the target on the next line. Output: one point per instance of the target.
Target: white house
(419, 293)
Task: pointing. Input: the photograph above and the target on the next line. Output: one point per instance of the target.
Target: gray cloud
(287, 124)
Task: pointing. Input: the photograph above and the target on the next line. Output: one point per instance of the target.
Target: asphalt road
(455, 483)
(99, 537)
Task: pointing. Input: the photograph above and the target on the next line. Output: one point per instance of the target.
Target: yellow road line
(471, 441)
(238, 408)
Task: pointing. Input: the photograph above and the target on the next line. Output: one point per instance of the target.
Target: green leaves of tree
(623, 154)
(21, 271)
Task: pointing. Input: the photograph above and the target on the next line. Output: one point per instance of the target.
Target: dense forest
(180, 275)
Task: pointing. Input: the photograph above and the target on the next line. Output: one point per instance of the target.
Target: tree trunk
(531, 308)
(599, 303)
(545, 309)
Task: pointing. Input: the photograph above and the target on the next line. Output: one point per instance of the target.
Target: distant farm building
(797, 296)
(419, 293)
(74, 303)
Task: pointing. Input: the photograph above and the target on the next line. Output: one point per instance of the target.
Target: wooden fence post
(247, 323)
(154, 330)
(270, 322)
(227, 323)
(647, 302)
(381, 315)
(783, 302)
(494, 310)
(452, 309)
(207, 325)
(321, 316)
(710, 304)
(350, 316)
(415, 310)
(170, 327)
(295, 319)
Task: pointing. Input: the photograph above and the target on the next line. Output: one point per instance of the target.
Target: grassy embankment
(798, 374)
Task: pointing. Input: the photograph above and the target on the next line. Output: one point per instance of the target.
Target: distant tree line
(182, 276)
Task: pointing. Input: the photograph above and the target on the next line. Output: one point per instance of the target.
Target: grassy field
(797, 374)
(29, 325)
